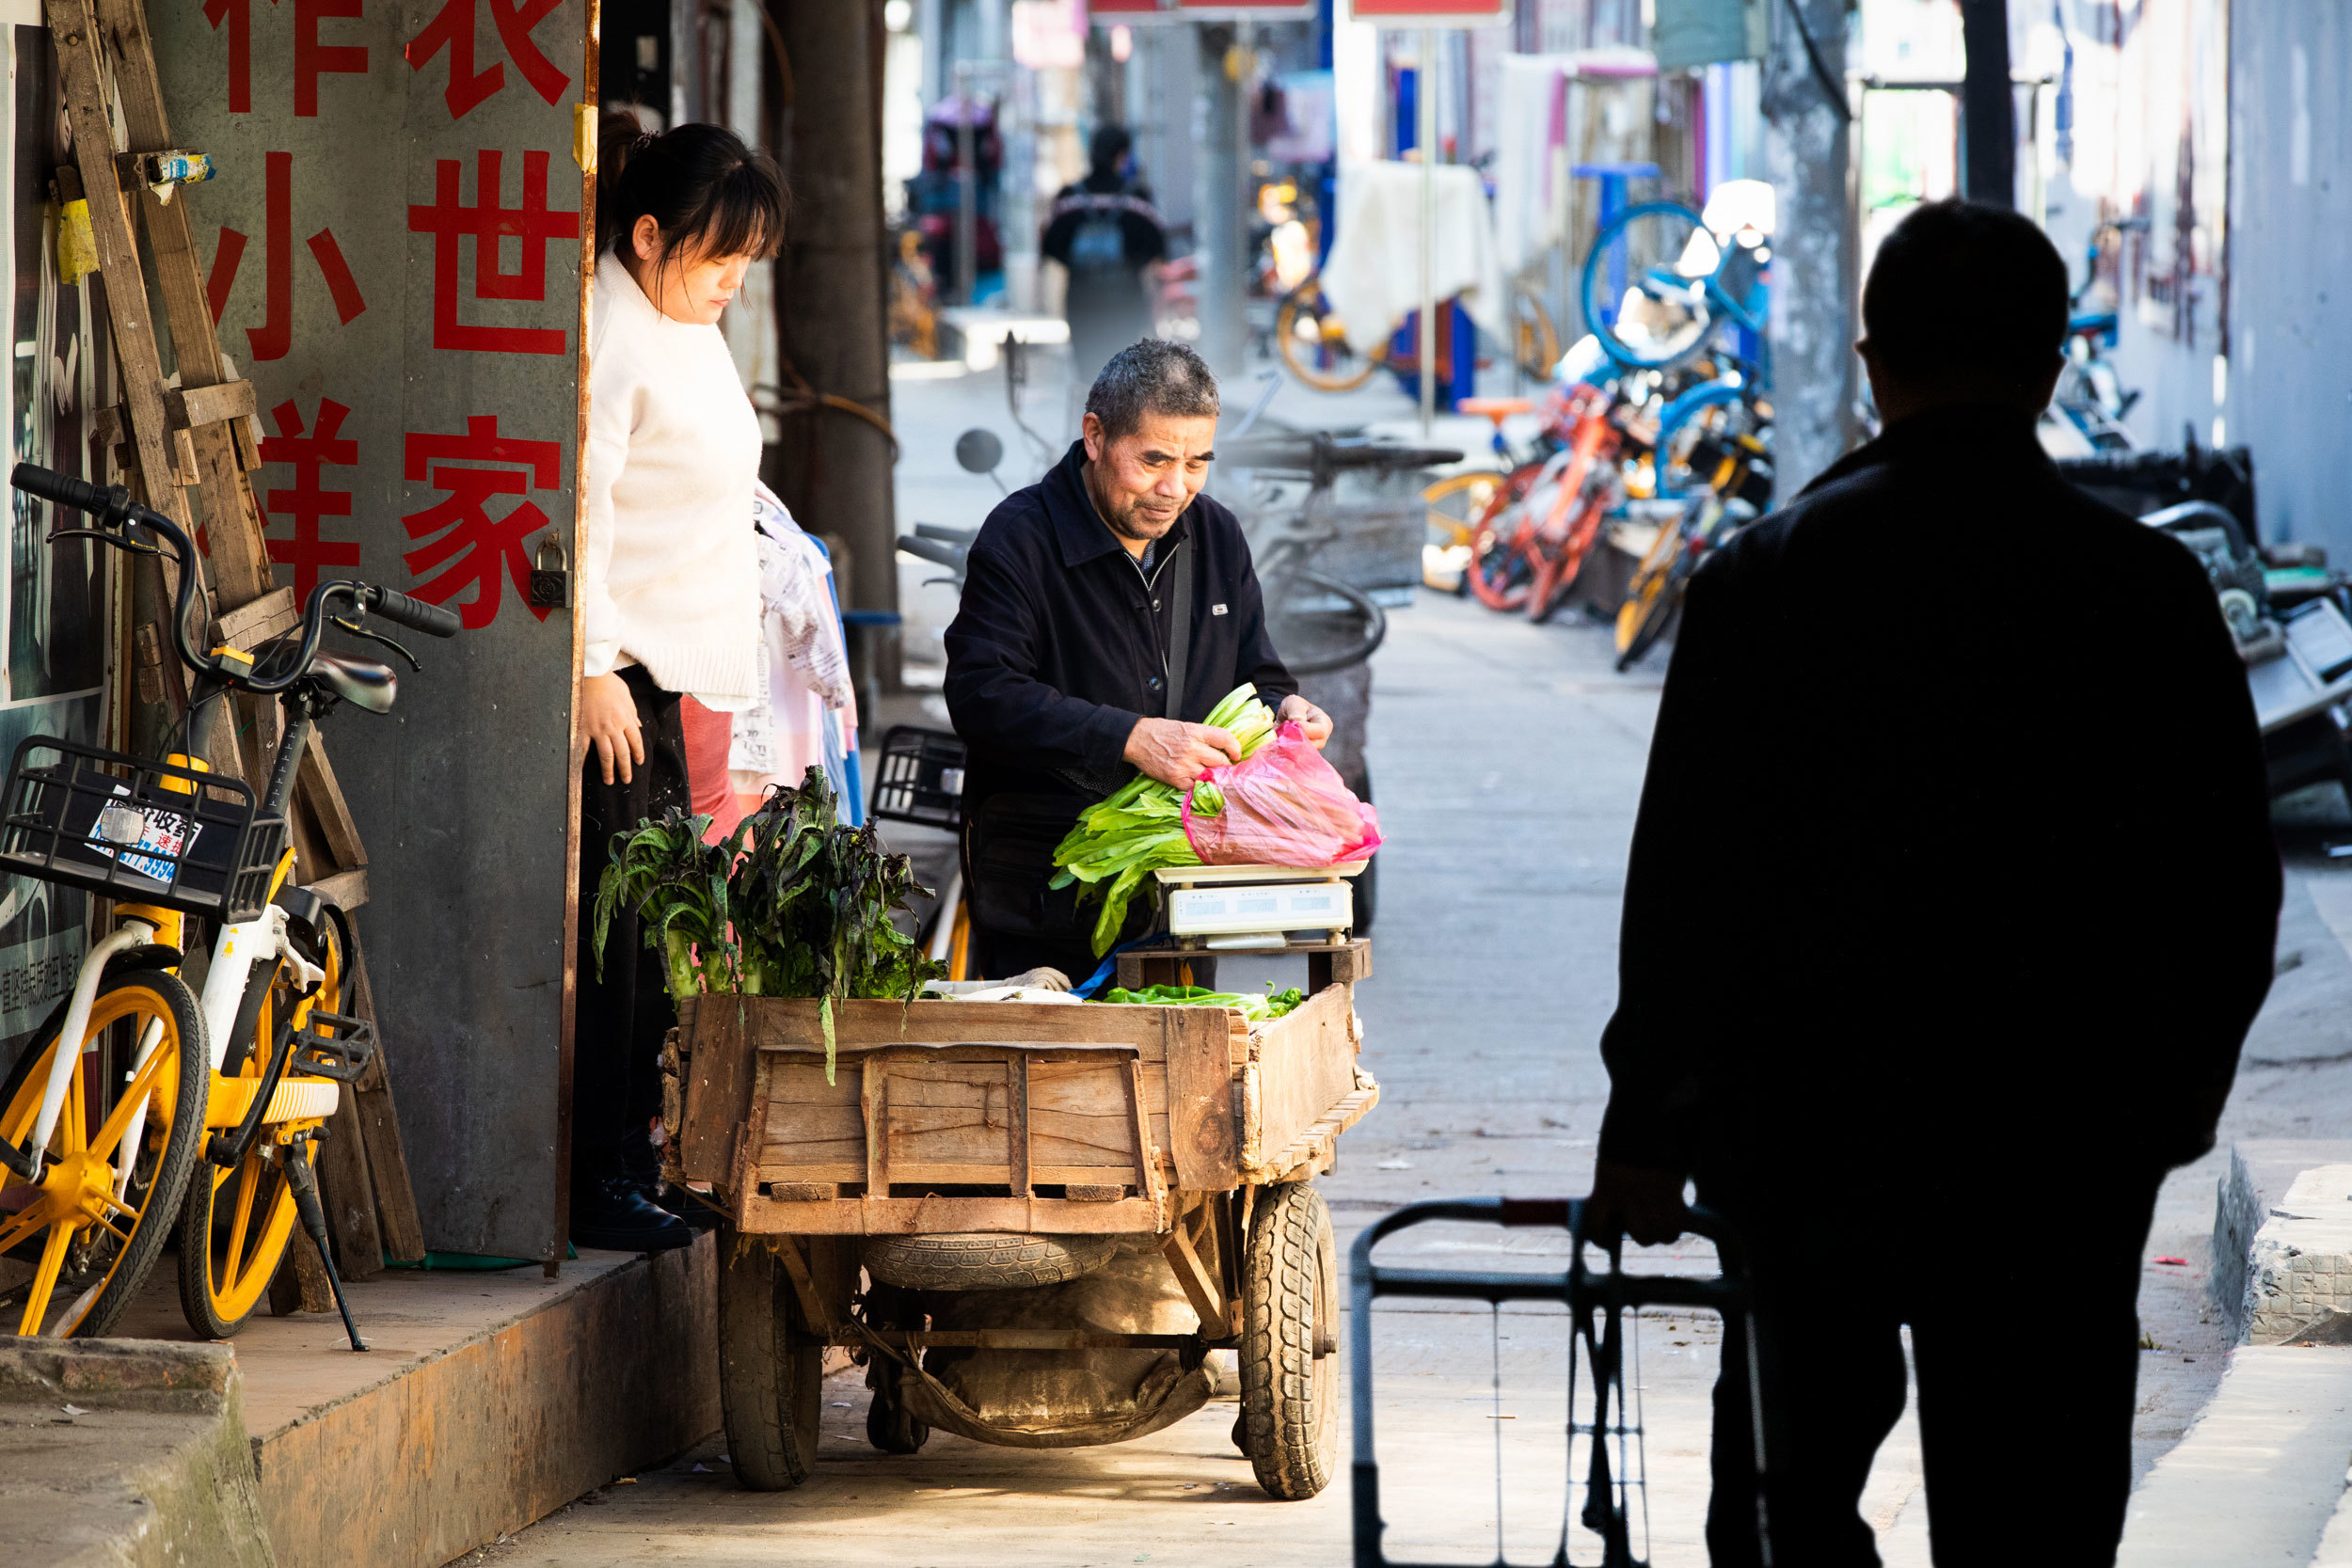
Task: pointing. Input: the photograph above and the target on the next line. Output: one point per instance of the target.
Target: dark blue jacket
(1061, 642)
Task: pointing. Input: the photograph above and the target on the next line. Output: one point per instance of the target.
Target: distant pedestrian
(1109, 239)
(1951, 899)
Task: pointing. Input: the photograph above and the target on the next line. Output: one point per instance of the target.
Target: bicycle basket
(920, 779)
(144, 832)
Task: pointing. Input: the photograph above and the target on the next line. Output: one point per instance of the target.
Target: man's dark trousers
(2025, 1359)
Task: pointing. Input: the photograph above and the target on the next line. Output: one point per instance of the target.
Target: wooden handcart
(971, 1145)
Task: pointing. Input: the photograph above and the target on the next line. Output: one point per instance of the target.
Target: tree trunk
(1813, 286)
(832, 468)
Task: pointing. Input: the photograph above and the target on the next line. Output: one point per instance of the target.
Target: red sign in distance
(1430, 13)
(1238, 10)
(1097, 9)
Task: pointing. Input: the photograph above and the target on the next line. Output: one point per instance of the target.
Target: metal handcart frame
(1597, 1301)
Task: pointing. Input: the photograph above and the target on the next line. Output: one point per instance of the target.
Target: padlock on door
(550, 585)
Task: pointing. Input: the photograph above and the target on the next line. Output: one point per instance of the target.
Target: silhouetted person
(1951, 898)
(1108, 238)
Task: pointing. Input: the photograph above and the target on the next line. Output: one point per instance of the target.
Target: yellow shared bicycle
(142, 1105)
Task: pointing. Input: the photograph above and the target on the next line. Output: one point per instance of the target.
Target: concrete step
(2260, 1476)
(125, 1453)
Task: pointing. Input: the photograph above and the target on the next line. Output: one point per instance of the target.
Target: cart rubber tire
(984, 1260)
(892, 1428)
(771, 1369)
(1289, 1425)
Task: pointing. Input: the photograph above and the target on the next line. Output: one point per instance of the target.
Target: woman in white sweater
(669, 594)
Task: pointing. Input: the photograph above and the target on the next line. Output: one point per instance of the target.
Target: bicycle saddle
(361, 682)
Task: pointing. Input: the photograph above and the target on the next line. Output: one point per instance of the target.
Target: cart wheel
(891, 1427)
(1290, 1344)
(770, 1368)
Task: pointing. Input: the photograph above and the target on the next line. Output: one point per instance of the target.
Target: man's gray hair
(1151, 377)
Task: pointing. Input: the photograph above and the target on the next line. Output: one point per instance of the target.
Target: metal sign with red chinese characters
(395, 259)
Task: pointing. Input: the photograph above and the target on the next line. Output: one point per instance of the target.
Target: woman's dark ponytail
(708, 192)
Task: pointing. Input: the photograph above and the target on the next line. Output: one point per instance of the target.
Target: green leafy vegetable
(1258, 1010)
(677, 885)
(1120, 841)
(812, 903)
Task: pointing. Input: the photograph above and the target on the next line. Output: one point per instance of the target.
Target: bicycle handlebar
(114, 512)
(401, 610)
(66, 490)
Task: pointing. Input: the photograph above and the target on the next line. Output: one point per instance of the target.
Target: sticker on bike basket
(121, 832)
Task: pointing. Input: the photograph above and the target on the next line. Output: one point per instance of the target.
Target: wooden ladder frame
(201, 436)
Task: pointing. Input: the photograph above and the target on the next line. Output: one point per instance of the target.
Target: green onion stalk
(1120, 841)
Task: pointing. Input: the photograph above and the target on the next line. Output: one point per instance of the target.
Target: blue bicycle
(1659, 284)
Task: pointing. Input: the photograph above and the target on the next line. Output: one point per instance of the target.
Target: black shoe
(694, 1209)
(615, 1214)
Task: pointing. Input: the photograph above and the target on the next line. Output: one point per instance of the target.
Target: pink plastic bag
(1284, 806)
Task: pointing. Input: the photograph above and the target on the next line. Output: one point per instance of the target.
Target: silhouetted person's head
(1108, 146)
(1965, 304)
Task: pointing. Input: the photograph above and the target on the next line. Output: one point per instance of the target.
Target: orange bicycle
(1530, 544)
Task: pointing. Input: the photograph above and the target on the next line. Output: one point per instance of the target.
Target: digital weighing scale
(1249, 907)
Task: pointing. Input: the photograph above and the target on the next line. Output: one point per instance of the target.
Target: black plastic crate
(140, 831)
(920, 779)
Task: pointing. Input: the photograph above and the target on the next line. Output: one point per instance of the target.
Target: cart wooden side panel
(949, 1115)
(1299, 1071)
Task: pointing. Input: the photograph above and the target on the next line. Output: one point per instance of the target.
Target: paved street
(1508, 760)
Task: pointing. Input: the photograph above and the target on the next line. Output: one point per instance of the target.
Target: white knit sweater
(669, 573)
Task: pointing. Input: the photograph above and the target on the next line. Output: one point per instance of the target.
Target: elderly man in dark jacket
(1106, 608)
(1951, 899)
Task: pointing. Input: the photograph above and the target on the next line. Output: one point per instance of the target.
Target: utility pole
(1220, 221)
(832, 468)
(1813, 286)
(1988, 115)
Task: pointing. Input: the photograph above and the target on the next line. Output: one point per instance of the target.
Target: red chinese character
(312, 59)
(274, 337)
(239, 15)
(454, 30)
(449, 220)
(478, 551)
(307, 501)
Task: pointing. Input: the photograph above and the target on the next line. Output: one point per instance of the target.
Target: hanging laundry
(809, 717)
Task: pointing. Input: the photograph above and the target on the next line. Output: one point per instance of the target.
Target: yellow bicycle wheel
(1313, 343)
(237, 1224)
(1455, 504)
(1648, 585)
(117, 1162)
(1534, 342)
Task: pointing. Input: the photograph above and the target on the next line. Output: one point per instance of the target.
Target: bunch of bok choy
(1120, 841)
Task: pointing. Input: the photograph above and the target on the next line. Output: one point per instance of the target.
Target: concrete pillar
(1813, 326)
(832, 467)
(1220, 223)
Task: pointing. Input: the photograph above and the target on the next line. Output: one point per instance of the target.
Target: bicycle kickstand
(305, 1183)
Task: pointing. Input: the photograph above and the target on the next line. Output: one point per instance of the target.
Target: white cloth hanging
(810, 697)
(1372, 275)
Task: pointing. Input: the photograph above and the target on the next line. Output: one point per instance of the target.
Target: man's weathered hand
(1311, 718)
(1175, 752)
(1629, 1200)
